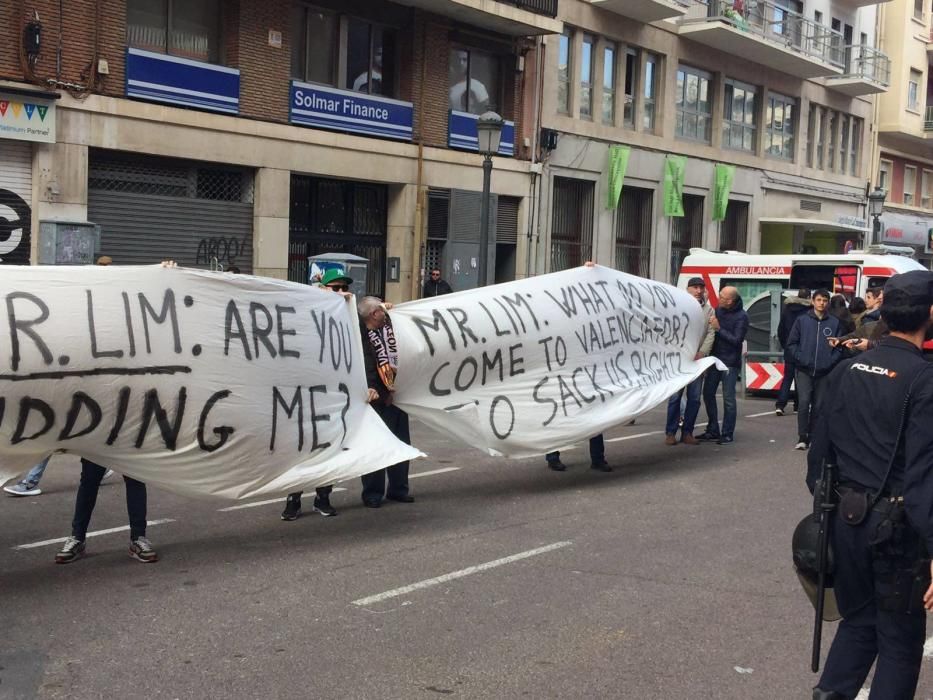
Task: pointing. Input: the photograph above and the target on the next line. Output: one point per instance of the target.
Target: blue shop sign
(180, 81)
(462, 134)
(353, 112)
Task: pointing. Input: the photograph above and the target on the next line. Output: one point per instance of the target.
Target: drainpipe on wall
(418, 244)
(874, 158)
(534, 219)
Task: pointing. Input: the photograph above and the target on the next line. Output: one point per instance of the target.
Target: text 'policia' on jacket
(808, 343)
(733, 325)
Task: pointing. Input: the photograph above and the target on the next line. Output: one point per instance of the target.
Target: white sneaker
(779, 411)
(800, 445)
(23, 488)
(107, 474)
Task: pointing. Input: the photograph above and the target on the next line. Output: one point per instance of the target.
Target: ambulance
(764, 281)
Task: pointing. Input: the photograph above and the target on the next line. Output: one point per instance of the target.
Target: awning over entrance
(814, 224)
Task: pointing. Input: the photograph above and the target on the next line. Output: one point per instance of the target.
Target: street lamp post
(489, 133)
(875, 207)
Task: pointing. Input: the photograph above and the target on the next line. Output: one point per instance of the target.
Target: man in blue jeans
(697, 288)
(731, 325)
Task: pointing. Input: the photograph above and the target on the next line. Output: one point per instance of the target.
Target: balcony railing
(548, 8)
(781, 26)
(928, 119)
(868, 63)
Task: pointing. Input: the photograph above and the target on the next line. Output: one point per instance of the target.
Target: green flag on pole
(722, 187)
(618, 163)
(674, 167)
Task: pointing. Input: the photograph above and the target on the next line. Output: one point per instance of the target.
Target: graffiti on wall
(15, 222)
(227, 251)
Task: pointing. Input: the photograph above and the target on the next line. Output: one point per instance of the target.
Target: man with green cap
(336, 280)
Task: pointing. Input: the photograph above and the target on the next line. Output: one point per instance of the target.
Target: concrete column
(270, 222)
(400, 244)
(59, 186)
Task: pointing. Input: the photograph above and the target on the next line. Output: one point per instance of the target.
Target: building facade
(783, 91)
(257, 134)
(904, 155)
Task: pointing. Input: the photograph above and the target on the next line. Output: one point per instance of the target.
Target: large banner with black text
(523, 368)
(197, 382)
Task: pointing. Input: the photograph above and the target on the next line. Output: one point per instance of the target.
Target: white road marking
(255, 504)
(637, 435)
(863, 693)
(759, 415)
(443, 470)
(97, 533)
(395, 592)
(928, 648)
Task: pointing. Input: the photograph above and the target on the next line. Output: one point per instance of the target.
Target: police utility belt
(856, 502)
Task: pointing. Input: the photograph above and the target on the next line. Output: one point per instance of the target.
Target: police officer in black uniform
(882, 532)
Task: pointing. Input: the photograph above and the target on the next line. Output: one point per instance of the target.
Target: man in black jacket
(815, 356)
(435, 286)
(793, 307)
(380, 357)
(731, 324)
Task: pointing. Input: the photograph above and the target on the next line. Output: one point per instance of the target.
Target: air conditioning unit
(68, 242)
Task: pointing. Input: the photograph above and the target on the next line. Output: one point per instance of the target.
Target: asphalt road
(668, 578)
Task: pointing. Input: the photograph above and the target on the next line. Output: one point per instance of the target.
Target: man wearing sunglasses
(435, 286)
(335, 280)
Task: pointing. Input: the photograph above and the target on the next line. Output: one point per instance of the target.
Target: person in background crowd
(380, 357)
(872, 327)
(597, 457)
(815, 355)
(839, 309)
(435, 286)
(875, 427)
(857, 308)
(697, 288)
(793, 308)
(731, 325)
(334, 280)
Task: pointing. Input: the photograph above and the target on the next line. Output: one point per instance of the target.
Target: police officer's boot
(820, 694)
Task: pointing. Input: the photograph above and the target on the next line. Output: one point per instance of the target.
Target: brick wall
(264, 69)
(80, 18)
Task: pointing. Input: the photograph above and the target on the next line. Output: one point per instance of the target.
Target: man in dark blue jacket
(809, 345)
(731, 324)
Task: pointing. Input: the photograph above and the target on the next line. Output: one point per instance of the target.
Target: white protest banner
(196, 382)
(527, 367)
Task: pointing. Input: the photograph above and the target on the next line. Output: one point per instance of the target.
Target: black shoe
(724, 440)
(372, 503)
(600, 465)
(323, 506)
(707, 436)
(556, 465)
(292, 508)
(401, 499)
(820, 694)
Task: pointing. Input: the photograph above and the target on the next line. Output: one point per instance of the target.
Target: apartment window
(734, 231)
(913, 90)
(844, 143)
(693, 104)
(652, 62)
(918, 9)
(820, 136)
(370, 58)
(831, 155)
(185, 28)
(563, 72)
(855, 137)
(609, 85)
(780, 118)
(571, 223)
(884, 175)
(633, 231)
(926, 189)
(686, 232)
(474, 81)
(812, 120)
(631, 70)
(910, 184)
(739, 107)
(586, 77)
(314, 45)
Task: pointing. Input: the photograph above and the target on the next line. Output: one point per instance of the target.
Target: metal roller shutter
(15, 201)
(152, 209)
